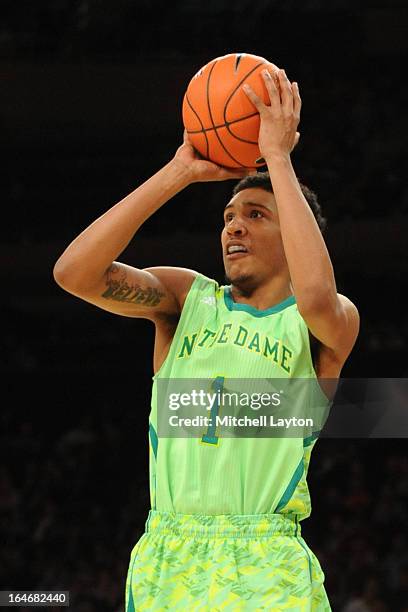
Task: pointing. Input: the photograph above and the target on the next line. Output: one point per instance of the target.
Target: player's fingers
(254, 98)
(234, 173)
(186, 139)
(286, 93)
(272, 90)
(297, 102)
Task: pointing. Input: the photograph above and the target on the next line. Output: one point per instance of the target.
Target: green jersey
(218, 338)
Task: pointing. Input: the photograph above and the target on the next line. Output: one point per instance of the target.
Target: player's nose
(236, 227)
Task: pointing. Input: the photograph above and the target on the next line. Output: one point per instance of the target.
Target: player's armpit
(335, 327)
(150, 293)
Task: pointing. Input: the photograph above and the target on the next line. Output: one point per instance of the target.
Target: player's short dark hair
(263, 181)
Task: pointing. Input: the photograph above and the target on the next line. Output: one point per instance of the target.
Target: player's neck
(263, 296)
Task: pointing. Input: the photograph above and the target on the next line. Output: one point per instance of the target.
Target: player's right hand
(201, 170)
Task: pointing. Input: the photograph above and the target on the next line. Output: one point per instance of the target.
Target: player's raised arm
(331, 318)
(88, 267)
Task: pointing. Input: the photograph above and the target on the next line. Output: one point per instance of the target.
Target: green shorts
(223, 562)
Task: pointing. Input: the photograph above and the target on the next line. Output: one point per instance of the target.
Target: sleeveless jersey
(217, 337)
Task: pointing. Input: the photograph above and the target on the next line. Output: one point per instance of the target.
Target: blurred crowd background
(90, 107)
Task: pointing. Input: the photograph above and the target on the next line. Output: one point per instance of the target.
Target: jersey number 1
(209, 437)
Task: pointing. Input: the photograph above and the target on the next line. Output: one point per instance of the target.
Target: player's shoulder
(173, 274)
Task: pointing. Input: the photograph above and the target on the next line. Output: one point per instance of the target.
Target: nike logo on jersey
(210, 300)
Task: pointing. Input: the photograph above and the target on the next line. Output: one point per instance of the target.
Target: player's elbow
(58, 273)
(72, 275)
(64, 274)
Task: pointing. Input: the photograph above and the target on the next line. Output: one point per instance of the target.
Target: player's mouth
(236, 250)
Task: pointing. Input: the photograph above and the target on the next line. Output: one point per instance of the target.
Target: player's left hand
(279, 120)
(201, 170)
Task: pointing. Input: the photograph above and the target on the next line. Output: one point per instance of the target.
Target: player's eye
(228, 217)
(256, 214)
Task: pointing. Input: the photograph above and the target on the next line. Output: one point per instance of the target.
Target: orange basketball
(221, 122)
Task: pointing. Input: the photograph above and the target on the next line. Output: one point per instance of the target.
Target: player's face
(251, 239)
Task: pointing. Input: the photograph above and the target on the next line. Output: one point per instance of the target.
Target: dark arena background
(90, 107)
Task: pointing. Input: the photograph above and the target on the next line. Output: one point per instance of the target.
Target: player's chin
(238, 275)
(233, 270)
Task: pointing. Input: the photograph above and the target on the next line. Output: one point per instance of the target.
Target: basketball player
(223, 531)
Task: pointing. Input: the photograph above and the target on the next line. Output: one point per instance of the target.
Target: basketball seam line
(201, 123)
(238, 59)
(212, 121)
(228, 101)
(221, 125)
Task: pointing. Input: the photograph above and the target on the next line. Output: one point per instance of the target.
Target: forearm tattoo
(120, 291)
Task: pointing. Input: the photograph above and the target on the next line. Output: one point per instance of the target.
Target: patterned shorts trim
(226, 563)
